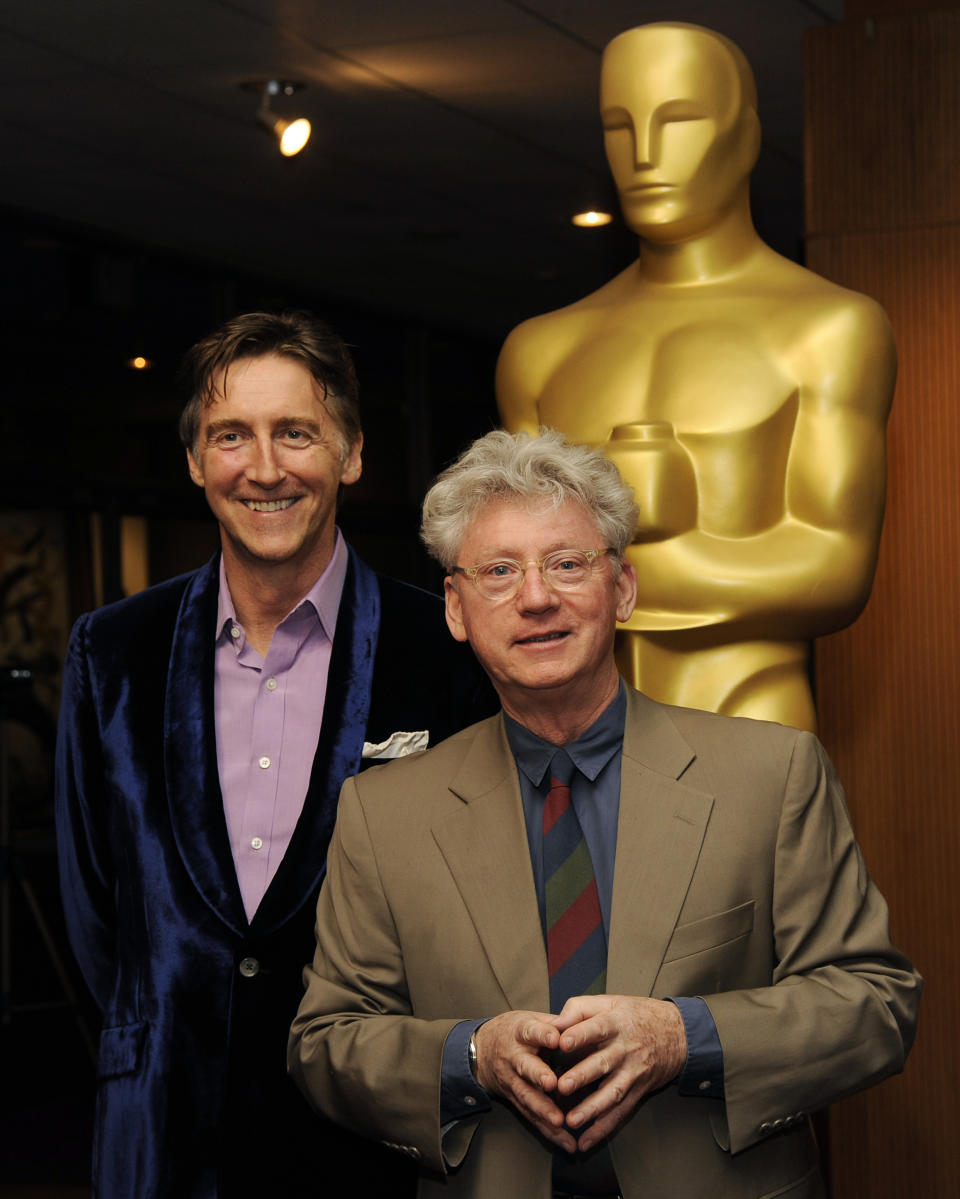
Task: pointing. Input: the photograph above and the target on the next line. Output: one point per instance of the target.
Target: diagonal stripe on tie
(582, 974)
(569, 881)
(573, 926)
(556, 805)
(576, 945)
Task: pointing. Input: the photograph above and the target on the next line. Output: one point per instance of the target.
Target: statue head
(679, 110)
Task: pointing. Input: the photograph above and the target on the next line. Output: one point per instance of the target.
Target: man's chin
(264, 552)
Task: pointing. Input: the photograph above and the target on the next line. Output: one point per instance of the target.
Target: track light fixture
(293, 135)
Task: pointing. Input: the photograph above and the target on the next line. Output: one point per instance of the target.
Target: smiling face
(680, 128)
(543, 649)
(270, 458)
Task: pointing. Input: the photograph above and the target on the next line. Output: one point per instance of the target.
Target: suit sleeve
(355, 1050)
(83, 843)
(841, 1011)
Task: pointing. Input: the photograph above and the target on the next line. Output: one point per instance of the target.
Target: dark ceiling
(452, 138)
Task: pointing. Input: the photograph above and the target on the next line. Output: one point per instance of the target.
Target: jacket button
(249, 967)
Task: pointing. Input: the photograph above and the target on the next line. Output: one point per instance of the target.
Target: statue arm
(808, 572)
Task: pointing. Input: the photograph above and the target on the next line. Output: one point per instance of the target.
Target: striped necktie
(576, 943)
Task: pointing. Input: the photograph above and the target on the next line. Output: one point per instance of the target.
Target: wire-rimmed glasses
(562, 570)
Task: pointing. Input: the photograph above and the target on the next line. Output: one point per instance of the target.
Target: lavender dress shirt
(267, 714)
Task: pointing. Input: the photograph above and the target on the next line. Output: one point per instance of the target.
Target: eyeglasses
(563, 570)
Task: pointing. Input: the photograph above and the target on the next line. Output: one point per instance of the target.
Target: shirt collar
(591, 751)
(323, 597)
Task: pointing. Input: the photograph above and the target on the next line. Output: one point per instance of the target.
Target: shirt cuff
(460, 1093)
(702, 1073)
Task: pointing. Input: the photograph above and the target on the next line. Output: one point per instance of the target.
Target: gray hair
(516, 466)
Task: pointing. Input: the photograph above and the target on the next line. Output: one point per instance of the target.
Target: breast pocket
(710, 932)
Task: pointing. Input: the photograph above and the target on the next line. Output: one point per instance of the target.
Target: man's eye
(500, 570)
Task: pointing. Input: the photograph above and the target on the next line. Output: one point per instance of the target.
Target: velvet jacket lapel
(662, 825)
(339, 749)
(193, 783)
(190, 751)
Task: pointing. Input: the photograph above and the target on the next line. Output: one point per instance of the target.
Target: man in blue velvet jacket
(206, 727)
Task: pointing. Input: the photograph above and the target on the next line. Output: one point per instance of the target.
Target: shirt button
(705, 1085)
(469, 1100)
(234, 631)
(264, 763)
(249, 967)
(271, 684)
(256, 843)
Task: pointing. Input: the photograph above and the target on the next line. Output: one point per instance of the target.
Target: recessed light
(591, 219)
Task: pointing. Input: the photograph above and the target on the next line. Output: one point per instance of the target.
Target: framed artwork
(34, 624)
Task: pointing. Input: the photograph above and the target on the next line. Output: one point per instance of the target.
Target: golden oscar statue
(743, 397)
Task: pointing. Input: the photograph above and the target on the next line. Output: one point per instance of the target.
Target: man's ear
(454, 610)
(352, 467)
(193, 466)
(626, 590)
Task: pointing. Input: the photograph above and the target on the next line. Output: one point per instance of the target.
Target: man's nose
(534, 595)
(264, 466)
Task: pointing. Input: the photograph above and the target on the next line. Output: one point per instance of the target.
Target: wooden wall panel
(888, 696)
(886, 221)
(880, 111)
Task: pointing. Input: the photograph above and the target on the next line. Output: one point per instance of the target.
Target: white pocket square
(397, 745)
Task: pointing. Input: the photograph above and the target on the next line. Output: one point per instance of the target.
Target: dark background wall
(82, 432)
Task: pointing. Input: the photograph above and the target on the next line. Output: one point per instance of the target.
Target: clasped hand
(625, 1047)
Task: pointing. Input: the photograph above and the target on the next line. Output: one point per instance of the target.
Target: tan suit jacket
(737, 878)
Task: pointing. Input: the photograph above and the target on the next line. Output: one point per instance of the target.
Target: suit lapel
(661, 829)
(190, 752)
(339, 749)
(484, 844)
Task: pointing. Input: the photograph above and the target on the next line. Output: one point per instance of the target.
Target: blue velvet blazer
(193, 1097)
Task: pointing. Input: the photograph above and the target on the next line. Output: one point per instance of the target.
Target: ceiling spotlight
(592, 219)
(293, 135)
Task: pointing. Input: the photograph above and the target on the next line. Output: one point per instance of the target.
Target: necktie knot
(562, 768)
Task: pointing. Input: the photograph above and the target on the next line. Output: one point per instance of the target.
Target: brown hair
(297, 335)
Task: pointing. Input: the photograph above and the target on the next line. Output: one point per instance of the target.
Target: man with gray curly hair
(593, 945)
(500, 466)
